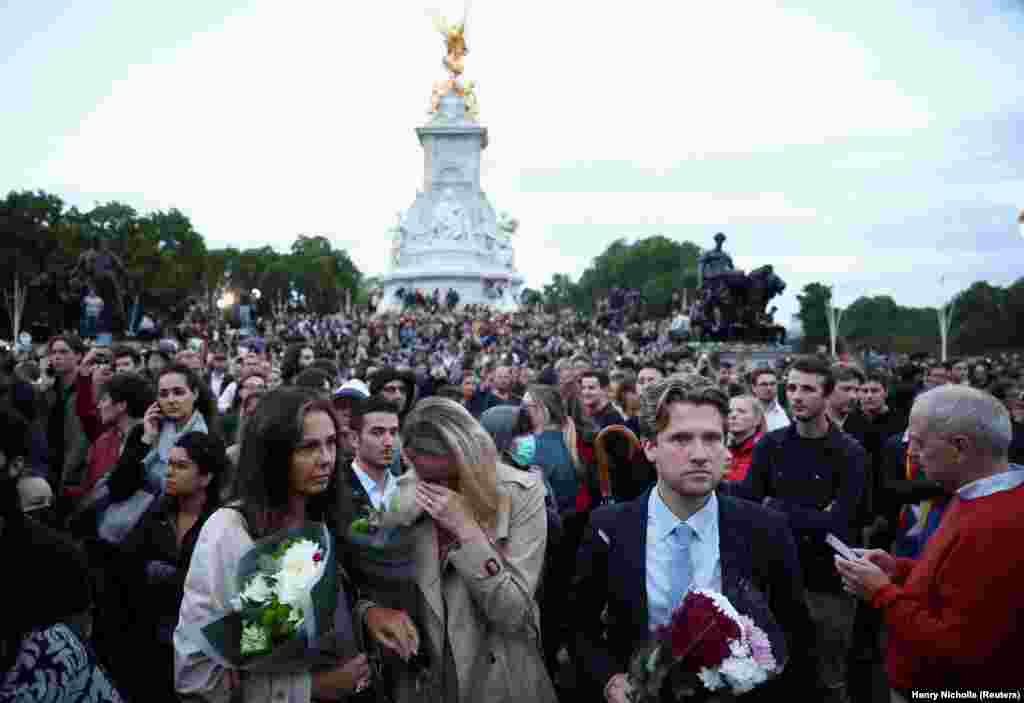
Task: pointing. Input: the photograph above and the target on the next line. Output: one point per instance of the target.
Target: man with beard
(815, 474)
(396, 387)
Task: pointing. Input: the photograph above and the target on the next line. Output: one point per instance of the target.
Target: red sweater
(742, 457)
(957, 620)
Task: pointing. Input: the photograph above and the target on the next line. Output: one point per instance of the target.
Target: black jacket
(873, 433)
(818, 499)
(610, 590)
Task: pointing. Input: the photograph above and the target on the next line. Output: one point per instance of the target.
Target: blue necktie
(681, 570)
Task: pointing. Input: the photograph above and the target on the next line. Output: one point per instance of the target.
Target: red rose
(700, 633)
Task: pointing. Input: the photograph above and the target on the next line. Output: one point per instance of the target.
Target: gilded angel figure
(454, 61)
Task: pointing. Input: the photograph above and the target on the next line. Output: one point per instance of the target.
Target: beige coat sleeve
(222, 542)
(502, 575)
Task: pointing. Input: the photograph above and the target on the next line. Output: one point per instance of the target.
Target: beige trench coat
(492, 615)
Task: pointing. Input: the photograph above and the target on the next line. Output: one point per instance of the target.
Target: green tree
(657, 266)
(881, 323)
(981, 319)
(560, 293)
(33, 229)
(323, 275)
(813, 303)
(530, 297)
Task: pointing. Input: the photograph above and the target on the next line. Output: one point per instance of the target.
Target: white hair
(962, 410)
(755, 404)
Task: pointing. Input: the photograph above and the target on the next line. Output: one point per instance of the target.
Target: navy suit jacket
(756, 546)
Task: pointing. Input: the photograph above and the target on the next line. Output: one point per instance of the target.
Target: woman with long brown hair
(287, 459)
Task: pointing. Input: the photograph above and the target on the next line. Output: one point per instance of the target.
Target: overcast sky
(877, 145)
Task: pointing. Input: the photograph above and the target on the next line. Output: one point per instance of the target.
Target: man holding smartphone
(955, 615)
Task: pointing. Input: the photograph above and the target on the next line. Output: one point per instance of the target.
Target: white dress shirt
(375, 491)
(227, 398)
(216, 381)
(705, 561)
(775, 417)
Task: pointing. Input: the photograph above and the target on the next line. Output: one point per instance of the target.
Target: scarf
(155, 462)
(921, 520)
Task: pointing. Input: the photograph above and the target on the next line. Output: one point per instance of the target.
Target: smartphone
(840, 548)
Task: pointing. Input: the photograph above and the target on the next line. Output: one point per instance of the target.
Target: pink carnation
(761, 648)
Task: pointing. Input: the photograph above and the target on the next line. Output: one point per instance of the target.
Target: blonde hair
(555, 414)
(756, 408)
(440, 427)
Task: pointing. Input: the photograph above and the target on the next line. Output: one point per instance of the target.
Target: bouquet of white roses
(282, 616)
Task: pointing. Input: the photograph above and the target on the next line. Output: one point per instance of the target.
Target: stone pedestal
(450, 237)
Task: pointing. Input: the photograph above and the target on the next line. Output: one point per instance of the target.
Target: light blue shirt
(997, 483)
(374, 491)
(705, 561)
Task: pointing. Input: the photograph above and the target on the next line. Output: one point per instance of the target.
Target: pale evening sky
(877, 145)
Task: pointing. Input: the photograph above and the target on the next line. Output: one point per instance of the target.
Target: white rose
(300, 570)
(711, 679)
(258, 590)
(742, 674)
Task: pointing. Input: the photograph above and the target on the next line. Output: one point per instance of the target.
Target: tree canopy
(657, 266)
(984, 317)
(166, 261)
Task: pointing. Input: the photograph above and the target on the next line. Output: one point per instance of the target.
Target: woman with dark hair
(287, 459)
(297, 357)
(161, 549)
(184, 404)
(45, 630)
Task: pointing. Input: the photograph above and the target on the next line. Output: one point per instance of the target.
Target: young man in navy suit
(638, 558)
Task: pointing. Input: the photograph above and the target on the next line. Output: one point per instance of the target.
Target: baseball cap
(167, 346)
(353, 389)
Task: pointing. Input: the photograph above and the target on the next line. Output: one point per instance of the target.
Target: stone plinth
(450, 236)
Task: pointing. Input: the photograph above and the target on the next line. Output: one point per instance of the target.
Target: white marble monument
(450, 237)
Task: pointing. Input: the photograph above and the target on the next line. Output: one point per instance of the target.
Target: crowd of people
(572, 481)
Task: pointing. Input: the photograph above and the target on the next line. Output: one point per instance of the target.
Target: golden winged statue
(454, 61)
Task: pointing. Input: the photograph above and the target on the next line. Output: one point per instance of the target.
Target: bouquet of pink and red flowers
(709, 650)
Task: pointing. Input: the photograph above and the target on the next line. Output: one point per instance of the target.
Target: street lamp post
(835, 317)
(945, 314)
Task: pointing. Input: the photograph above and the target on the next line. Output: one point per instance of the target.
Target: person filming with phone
(955, 615)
